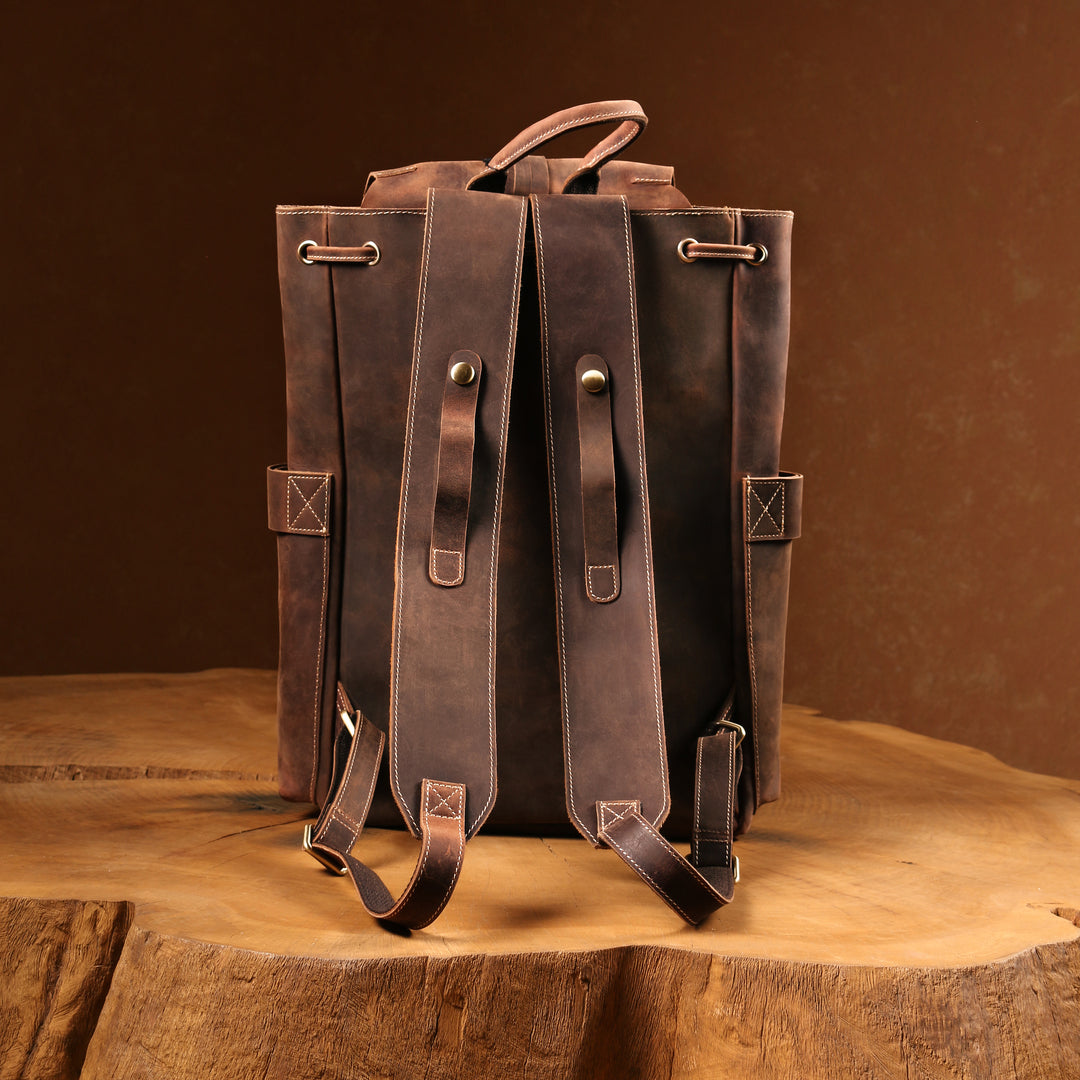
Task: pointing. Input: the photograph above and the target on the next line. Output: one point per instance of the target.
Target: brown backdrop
(929, 150)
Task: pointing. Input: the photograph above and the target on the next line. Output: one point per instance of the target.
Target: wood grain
(215, 723)
(56, 962)
(644, 1011)
(908, 908)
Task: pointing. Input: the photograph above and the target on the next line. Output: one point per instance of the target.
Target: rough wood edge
(56, 965)
(188, 1009)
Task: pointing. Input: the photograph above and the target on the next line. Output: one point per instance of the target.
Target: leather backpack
(532, 532)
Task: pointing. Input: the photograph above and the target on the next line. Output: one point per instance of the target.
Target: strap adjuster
(723, 722)
(347, 720)
(326, 861)
(739, 730)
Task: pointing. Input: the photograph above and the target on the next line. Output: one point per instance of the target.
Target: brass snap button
(463, 373)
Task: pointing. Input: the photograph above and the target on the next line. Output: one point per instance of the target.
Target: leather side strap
(442, 830)
(759, 341)
(453, 487)
(597, 458)
(613, 726)
(773, 507)
(298, 501)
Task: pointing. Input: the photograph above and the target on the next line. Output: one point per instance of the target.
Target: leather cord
(366, 254)
(690, 249)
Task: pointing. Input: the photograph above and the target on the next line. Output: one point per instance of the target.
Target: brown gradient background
(930, 151)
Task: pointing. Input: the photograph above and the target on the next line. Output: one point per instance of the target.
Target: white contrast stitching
(714, 212)
(394, 172)
(354, 751)
(395, 657)
(444, 797)
(603, 154)
(696, 833)
(649, 879)
(323, 489)
(765, 509)
(458, 576)
(608, 816)
(500, 472)
(650, 180)
(691, 871)
(426, 788)
(589, 582)
(645, 530)
(374, 771)
(750, 651)
(319, 670)
(340, 816)
(327, 212)
(729, 805)
(567, 747)
(547, 133)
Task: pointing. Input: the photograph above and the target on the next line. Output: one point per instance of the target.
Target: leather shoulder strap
(442, 668)
(613, 725)
(616, 765)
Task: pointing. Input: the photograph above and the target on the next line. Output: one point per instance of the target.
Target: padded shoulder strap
(616, 764)
(613, 724)
(442, 668)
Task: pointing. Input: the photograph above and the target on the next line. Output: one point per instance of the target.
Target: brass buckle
(317, 855)
(347, 720)
(735, 864)
(737, 728)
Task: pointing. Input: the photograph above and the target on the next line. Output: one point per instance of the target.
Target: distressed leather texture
(553, 604)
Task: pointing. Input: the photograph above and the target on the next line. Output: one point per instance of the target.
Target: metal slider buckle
(318, 856)
(737, 728)
(716, 725)
(350, 724)
(735, 866)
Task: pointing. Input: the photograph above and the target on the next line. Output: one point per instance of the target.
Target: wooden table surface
(909, 907)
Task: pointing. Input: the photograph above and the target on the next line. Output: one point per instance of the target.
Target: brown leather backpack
(481, 358)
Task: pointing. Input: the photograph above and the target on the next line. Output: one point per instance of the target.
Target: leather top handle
(632, 121)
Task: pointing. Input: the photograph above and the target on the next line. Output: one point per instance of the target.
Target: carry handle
(630, 113)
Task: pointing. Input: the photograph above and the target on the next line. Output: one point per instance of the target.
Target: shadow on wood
(909, 905)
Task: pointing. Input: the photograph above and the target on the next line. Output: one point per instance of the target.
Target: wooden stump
(910, 908)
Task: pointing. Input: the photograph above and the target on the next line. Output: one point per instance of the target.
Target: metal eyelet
(304, 245)
(378, 253)
(680, 249)
(762, 254)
